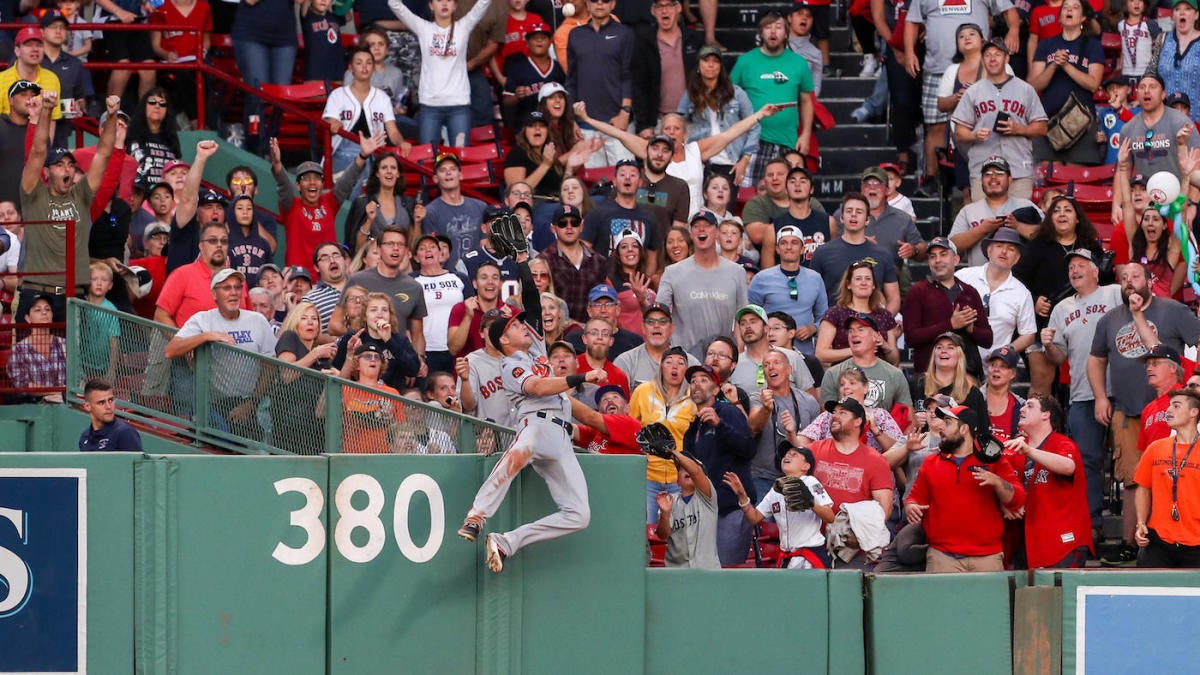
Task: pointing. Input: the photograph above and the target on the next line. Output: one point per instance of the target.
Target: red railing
(198, 66)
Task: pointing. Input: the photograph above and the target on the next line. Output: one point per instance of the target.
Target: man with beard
(814, 225)
(1123, 336)
(597, 339)
(575, 269)
(999, 116)
(641, 363)
(664, 399)
(958, 499)
(625, 210)
(940, 304)
(330, 262)
(1057, 527)
(408, 298)
(58, 198)
(1153, 132)
(703, 290)
(775, 74)
(720, 438)
(1068, 339)
(778, 411)
(310, 219)
(983, 217)
(1009, 304)
(608, 429)
(791, 288)
(183, 295)
(467, 316)
(886, 384)
(666, 196)
(722, 357)
(1168, 502)
(888, 227)
(749, 373)
(832, 259)
(603, 304)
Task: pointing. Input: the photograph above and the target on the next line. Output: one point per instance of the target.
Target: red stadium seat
(1061, 174)
(482, 134)
(422, 153)
(128, 169)
(746, 194)
(595, 174)
(479, 176)
(473, 154)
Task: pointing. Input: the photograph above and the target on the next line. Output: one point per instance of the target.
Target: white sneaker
(870, 66)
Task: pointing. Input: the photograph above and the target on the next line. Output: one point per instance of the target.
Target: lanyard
(1173, 472)
(795, 415)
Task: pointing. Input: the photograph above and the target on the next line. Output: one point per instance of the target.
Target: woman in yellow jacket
(664, 399)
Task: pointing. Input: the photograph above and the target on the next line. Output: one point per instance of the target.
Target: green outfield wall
(188, 563)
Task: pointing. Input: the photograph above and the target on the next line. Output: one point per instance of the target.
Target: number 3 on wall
(349, 519)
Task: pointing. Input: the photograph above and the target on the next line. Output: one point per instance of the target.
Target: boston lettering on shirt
(1004, 105)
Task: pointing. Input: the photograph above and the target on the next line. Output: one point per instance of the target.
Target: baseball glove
(508, 239)
(656, 439)
(795, 493)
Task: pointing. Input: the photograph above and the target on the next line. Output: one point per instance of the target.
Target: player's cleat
(495, 557)
(470, 529)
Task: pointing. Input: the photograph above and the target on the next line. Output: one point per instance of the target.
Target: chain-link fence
(237, 400)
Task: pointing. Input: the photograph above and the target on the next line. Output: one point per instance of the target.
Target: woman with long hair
(947, 374)
(556, 319)
(1065, 66)
(1150, 238)
(1043, 270)
(153, 136)
(350, 314)
(966, 68)
(540, 270)
(445, 90)
(634, 294)
(294, 426)
(574, 192)
(365, 258)
(387, 78)
(382, 204)
(858, 294)
(687, 157)
(401, 358)
(561, 125)
(1173, 58)
(711, 104)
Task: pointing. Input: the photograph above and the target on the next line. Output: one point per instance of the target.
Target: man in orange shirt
(1167, 496)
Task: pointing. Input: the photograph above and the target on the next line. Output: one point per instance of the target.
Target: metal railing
(235, 400)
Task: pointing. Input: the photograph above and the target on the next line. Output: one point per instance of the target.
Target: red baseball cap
(29, 33)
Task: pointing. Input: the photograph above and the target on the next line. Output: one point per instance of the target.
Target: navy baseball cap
(705, 215)
(627, 162)
(567, 211)
(943, 242)
(494, 211)
(703, 368)
(1007, 354)
(607, 389)
(211, 197)
(57, 155)
(1161, 351)
(1177, 98)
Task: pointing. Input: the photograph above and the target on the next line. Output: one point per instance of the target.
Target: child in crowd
(1137, 41)
(518, 24)
(800, 40)
(324, 55)
(1114, 115)
(79, 41)
(800, 538)
(895, 199)
(731, 240)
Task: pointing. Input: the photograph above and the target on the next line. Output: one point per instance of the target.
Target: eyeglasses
(717, 355)
(660, 321)
(238, 182)
(355, 299)
(370, 356)
(793, 292)
(599, 333)
(329, 256)
(156, 102)
(521, 194)
(212, 241)
(540, 275)
(602, 304)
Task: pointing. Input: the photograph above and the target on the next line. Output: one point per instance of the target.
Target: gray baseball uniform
(493, 402)
(543, 439)
(693, 540)
(979, 106)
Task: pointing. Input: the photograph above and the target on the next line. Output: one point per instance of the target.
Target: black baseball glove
(656, 439)
(795, 493)
(508, 239)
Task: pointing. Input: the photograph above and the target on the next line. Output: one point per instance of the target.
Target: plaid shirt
(573, 284)
(28, 368)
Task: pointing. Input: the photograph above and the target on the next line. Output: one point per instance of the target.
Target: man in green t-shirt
(775, 74)
(58, 199)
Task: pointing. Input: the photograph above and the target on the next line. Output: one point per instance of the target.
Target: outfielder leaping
(544, 428)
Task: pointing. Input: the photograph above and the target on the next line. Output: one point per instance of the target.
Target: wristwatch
(627, 108)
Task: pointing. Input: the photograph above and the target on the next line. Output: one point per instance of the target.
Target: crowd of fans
(780, 336)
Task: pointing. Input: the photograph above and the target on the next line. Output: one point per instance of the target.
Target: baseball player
(543, 429)
(999, 116)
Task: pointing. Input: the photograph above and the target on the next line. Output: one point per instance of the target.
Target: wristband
(363, 157)
(574, 381)
(742, 506)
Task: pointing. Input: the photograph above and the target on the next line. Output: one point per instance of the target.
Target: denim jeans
(482, 109)
(260, 63)
(734, 534)
(455, 118)
(652, 490)
(1088, 434)
(876, 103)
(343, 157)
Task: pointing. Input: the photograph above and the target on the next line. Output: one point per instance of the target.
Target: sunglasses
(793, 291)
(238, 182)
(156, 102)
(569, 222)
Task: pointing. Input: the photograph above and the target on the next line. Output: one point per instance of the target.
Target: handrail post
(333, 415)
(201, 378)
(70, 272)
(74, 368)
(201, 103)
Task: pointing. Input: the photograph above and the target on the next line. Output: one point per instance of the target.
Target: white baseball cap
(549, 89)
(788, 231)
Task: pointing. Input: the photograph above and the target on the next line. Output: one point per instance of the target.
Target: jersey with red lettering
(981, 103)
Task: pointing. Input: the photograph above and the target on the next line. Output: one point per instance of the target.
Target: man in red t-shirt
(611, 431)
(958, 499)
(597, 340)
(310, 217)
(849, 469)
(1058, 525)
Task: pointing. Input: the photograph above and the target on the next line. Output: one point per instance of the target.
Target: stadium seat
(658, 547)
(746, 194)
(482, 134)
(422, 153)
(1062, 174)
(596, 174)
(128, 169)
(296, 134)
(479, 176)
(484, 152)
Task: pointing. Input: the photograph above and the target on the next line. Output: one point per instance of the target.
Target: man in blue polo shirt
(106, 433)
